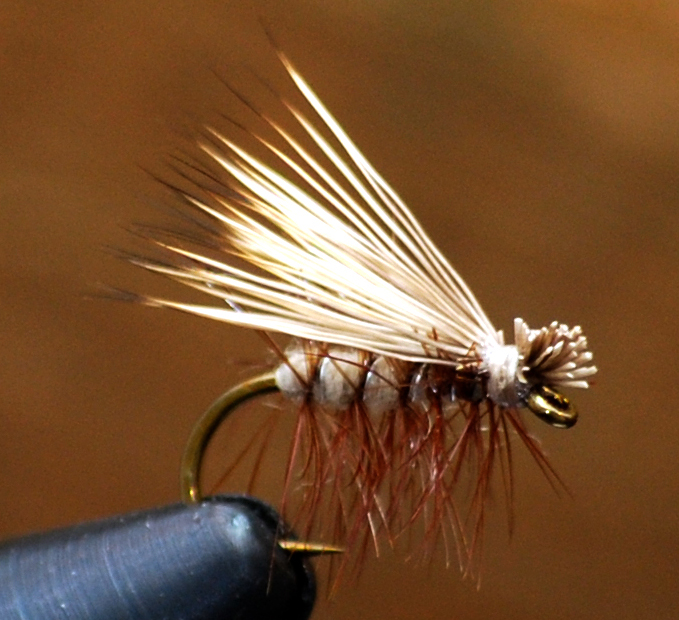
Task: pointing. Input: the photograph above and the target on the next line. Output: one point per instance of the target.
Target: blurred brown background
(537, 141)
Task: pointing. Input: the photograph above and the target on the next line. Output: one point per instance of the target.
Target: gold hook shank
(208, 423)
(199, 439)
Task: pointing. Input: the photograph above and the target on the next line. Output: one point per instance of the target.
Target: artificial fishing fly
(407, 397)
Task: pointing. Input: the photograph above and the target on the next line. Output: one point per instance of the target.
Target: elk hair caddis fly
(405, 393)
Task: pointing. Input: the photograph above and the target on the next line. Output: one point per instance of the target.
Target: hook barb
(309, 549)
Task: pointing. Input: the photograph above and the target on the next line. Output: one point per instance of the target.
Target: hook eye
(551, 406)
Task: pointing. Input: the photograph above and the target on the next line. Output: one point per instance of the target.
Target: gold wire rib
(199, 439)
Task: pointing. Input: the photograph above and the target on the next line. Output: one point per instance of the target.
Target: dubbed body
(509, 376)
